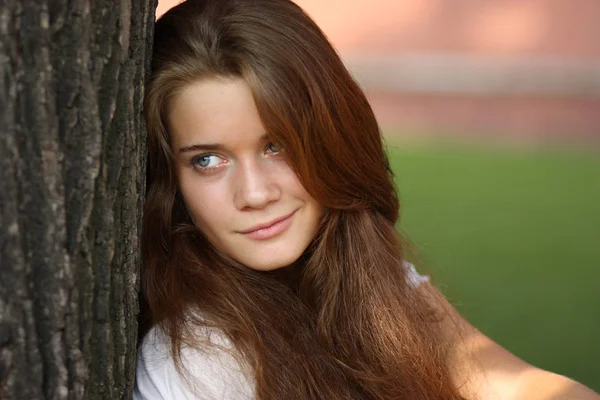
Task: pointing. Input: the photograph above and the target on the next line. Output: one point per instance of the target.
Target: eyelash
(279, 149)
(197, 158)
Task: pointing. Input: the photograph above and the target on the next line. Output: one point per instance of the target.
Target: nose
(255, 186)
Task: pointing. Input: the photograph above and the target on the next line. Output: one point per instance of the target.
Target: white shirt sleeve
(413, 278)
(212, 374)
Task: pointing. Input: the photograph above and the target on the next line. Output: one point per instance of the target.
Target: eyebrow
(198, 147)
(212, 146)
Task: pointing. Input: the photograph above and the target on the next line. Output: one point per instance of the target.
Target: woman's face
(236, 185)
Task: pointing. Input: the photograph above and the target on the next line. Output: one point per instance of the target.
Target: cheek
(207, 204)
(299, 191)
(291, 181)
(295, 188)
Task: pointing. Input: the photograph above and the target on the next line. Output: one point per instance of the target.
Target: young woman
(272, 266)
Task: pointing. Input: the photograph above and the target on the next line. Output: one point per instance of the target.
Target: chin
(270, 263)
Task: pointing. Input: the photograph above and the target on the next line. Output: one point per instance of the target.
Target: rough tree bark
(72, 167)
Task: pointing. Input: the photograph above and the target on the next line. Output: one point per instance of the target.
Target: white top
(214, 374)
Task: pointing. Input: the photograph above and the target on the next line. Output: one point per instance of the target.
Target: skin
(232, 178)
(484, 370)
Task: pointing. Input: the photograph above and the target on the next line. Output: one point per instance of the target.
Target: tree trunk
(72, 179)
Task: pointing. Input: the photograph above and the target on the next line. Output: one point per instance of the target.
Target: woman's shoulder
(211, 372)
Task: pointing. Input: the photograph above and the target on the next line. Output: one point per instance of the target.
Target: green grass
(513, 238)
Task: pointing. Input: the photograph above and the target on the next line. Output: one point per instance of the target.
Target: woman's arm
(484, 370)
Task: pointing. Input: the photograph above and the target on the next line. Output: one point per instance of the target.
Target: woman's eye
(273, 148)
(206, 161)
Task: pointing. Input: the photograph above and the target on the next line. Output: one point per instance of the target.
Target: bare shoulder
(482, 369)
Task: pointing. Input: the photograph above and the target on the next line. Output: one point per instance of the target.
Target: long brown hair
(343, 323)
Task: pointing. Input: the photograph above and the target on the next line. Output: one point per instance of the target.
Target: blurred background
(491, 113)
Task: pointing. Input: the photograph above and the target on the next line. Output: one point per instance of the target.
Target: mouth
(269, 229)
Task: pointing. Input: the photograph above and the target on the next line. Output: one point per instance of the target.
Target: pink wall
(536, 43)
(510, 27)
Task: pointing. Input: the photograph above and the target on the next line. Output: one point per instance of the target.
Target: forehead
(218, 110)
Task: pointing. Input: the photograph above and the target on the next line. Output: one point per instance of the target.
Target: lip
(270, 229)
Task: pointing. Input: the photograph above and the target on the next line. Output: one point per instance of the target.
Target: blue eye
(203, 161)
(273, 148)
(206, 160)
